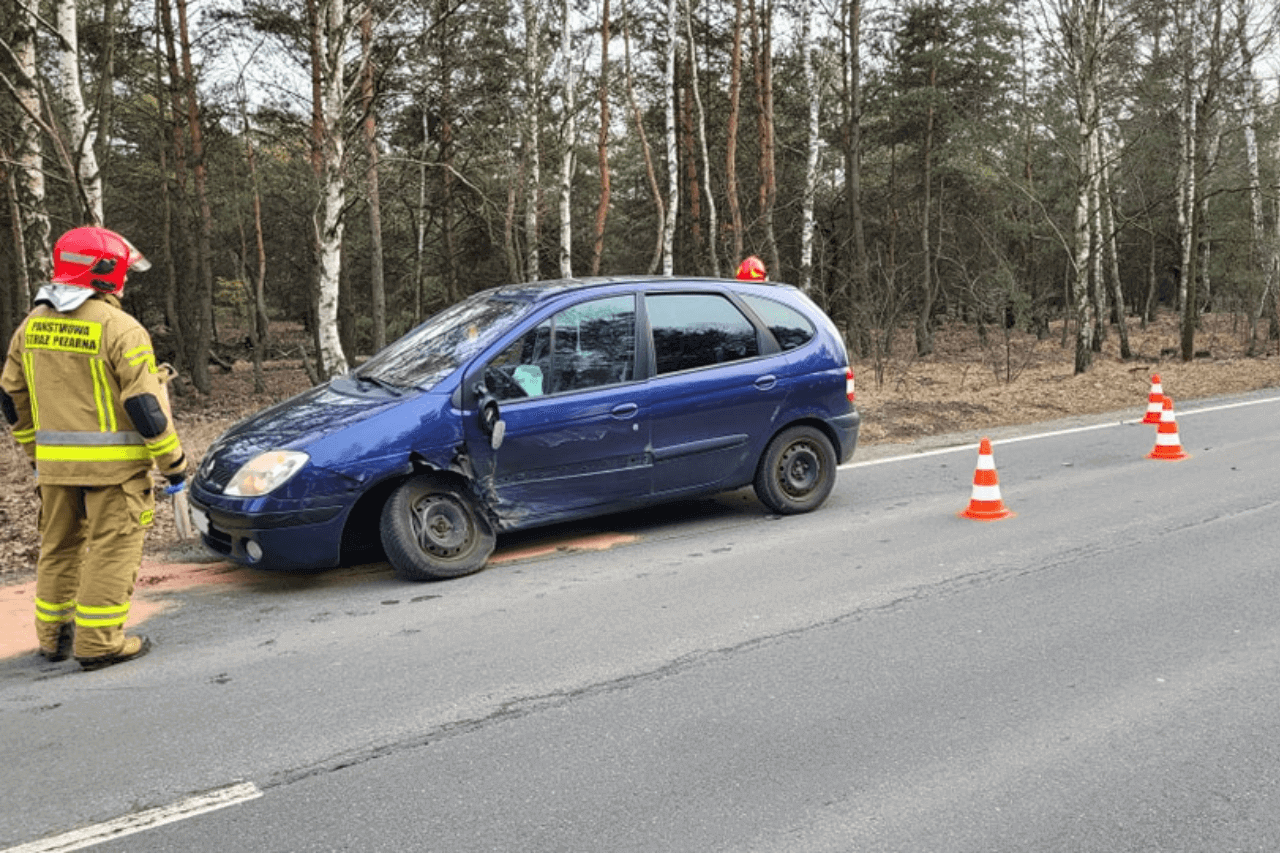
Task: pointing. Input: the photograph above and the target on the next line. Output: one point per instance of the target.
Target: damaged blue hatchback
(532, 404)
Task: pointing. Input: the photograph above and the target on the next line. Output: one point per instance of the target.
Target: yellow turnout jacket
(68, 377)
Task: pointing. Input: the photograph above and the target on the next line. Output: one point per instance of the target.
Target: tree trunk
(533, 113)
(650, 173)
(1097, 277)
(105, 101)
(731, 134)
(445, 166)
(182, 313)
(570, 130)
(1262, 255)
(602, 144)
(204, 288)
(1083, 36)
(689, 157)
(86, 178)
(1203, 56)
(32, 224)
(1110, 229)
(420, 225)
(13, 299)
(713, 239)
(854, 244)
(377, 283)
(814, 146)
(762, 19)
(673, 158)
(1188, 192)
(260, 320)
(328, 57)
(256, 314)
(924, 315)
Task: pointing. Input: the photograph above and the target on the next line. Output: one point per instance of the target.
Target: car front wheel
(797, 471)
(433, 531)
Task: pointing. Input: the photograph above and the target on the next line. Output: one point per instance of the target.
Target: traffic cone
(985, 505)
(1155, 401)
(1167, 444)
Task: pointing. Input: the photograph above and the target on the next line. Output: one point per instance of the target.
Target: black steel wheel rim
(441, 526)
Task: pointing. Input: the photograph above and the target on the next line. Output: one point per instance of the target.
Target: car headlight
(265, 472)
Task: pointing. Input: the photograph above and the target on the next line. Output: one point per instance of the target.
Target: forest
(353, 167)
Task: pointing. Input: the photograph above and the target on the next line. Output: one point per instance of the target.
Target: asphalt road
(1097, 673)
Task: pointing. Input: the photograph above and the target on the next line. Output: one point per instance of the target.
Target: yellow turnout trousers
(90, 551)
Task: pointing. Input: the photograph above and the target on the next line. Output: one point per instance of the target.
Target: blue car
(532, 404)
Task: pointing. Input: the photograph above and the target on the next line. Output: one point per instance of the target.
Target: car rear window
(698, 329)
(789, 326)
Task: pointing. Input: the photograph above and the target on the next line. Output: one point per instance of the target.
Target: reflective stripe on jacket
(68, 376)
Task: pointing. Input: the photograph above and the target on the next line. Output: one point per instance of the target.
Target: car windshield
(432, 351)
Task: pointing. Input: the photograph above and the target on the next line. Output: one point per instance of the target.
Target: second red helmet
(752, 270)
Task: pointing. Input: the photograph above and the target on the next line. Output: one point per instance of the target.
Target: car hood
(299, 422)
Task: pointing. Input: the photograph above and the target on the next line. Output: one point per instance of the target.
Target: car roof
(540, 291)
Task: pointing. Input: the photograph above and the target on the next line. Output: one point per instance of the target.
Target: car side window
(791, 328)
(588, 345)
(698, 329)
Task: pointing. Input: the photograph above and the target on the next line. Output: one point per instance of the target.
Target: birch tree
(1085, 32)
(532, 126)
(80, 131)
(32, 229)
(1201, 57)
(813, 148)
(602, 144)
(569, 132)
(329, 28)
(1264, 254)
(713, 224)
(673, 158)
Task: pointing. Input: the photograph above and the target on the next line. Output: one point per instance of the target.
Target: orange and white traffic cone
(985, 504)
(1155, 401)
(1168, 446)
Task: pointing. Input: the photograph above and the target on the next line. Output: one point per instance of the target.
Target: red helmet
(95, 258)
(752, 270)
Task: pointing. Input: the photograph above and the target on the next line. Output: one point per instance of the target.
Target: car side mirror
(491, 422)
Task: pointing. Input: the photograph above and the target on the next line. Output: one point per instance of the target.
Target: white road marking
(958, 447)
(151, 818)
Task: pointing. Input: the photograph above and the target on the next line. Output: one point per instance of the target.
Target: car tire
(797, 471)
(433, 531)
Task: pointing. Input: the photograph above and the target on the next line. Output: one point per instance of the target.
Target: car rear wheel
(433, 531)
(797, 471)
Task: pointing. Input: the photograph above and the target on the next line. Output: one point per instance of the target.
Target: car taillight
(848, 384)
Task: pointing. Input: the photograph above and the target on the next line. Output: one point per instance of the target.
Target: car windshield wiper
(394, 390)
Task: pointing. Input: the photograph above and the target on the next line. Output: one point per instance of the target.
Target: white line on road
(151, 818)
(1053, 434)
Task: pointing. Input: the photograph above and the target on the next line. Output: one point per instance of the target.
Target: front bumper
(297, 537)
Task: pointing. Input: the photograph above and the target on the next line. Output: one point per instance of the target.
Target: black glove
(177, 483)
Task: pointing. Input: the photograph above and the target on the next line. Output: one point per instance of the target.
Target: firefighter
(86, 402)
(751, 269)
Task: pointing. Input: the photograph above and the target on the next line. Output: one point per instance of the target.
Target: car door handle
(622, 411)
(764, 383)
